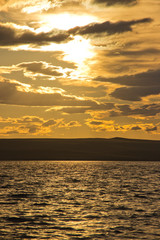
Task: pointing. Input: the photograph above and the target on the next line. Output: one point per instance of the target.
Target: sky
(80, 69)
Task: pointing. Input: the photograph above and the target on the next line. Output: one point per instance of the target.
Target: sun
(77, 50)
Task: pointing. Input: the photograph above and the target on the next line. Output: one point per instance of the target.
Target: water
(79, 200)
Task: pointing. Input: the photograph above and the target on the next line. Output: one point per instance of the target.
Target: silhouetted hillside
(79, 149)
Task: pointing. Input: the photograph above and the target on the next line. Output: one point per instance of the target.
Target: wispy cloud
(115, 2)
(108, 27)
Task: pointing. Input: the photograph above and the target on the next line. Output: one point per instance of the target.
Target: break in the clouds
(115, 2)
(108, 27)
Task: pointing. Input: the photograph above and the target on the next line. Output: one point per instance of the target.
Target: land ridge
(113, 149)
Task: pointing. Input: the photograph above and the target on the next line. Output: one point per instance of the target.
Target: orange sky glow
(80, 68)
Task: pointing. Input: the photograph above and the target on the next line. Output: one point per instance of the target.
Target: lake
(74, 200)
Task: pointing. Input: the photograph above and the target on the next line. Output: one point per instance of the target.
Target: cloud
(100, 126)
(111, 126)
(41, 68)
(84, 109)
(108, 27)
(10, 36)
(135, 128)
(151, 129)
(138, 85)
(115, 2)
(144, 110)
(15, 93)
(69, 124)
(134, 93)
(38, 69)
(26, 125)
(27, 120)
(33, 125)
(134, 53)
(125, 110)
(149, 78)
(147, 128)
(49, 123)
(34, 69)
(13, 35)
(27, 6)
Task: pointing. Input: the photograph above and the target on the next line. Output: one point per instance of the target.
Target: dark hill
(80, 149)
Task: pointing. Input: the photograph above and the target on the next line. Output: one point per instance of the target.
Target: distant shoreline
(89, 149)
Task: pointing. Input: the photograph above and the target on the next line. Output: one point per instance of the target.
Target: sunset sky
(80, 68)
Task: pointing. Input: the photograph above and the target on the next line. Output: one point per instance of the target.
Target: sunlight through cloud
(64, 21)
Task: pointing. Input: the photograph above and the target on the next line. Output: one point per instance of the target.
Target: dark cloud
(33, 129)
(149, 78)
(108, 27)
(42, 68)
(50, 122)
(135, 128)
(151, 129)
(134, 93)
(123, 110)
(147, 128)
(11, 36)
(115, 2)
(97, 123)
(11, 132)
(138, 85)
(144, 110)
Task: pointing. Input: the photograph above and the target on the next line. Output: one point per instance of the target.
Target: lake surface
(79, 200)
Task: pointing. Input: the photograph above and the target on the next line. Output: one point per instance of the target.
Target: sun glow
(64, 21)
(77, 50)
(80, 52)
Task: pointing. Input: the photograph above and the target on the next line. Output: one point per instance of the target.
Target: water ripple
(80, 200)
